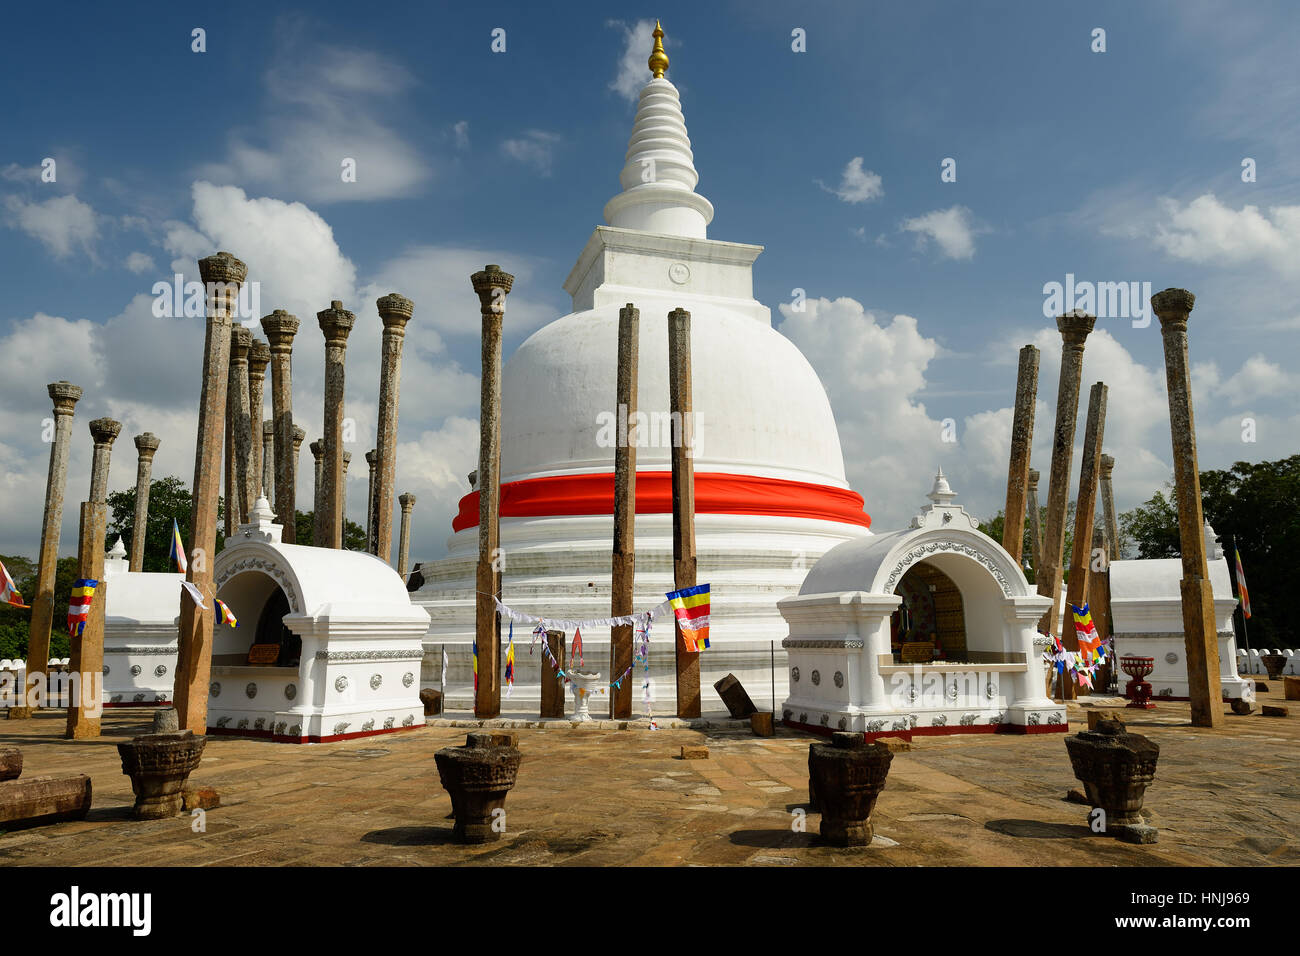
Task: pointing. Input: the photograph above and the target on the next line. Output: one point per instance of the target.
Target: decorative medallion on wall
(214, 689)
(135, 670)
(160, 670)
(952, 691)
(911, 694)
(341, 684)
(990, 691)
(375, 681)
(816, 678)
(794, 674)
(408, 679)
(1171, 658)
(839, 678)
(290, 691)
(679, 273)
(105, 668)
(251, 690)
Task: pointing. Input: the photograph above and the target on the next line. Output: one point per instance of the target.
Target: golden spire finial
(658, 58)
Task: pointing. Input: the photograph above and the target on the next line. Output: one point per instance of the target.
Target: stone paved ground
(610, 797)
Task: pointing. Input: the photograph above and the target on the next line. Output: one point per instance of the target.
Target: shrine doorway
(930, 624)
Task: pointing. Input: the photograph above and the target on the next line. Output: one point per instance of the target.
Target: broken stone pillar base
(159, 765)
(477, 777)
(1116, 768)
(847, 776)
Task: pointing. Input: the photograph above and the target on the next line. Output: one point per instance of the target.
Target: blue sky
(1123, 165)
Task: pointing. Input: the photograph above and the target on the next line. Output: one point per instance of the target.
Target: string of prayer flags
(8, 590)
(83, 593)
(691, 608)
(510, 661)
(177, 552)
(227, 616)
(195, 594)
(565, 624)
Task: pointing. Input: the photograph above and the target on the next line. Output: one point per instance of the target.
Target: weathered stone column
(624, 561)
(680, 412)
(1085, 511)
(1074, 328)
(294, 457)
(147, 445)
(86, 658)
(407, 501)
(1035, 521)
(335, 322)
(268, 461)
(343, 496)
(280, 328)
(1108, 509)
(317, 453)
(1022, 439)
(492, 286)
(371, 457)
(65, 397)
(1173, 306)
(396, 311)
(259, 357)
(245, 481)
(222, 274)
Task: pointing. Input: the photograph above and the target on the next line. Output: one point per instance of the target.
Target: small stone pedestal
(1275, 664)
(159, 765)
(1116, 768)
(477, 777)
(845, 778)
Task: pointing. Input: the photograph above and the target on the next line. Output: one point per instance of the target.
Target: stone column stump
(477, 777)
(1275, 664)
(159, 765)
(1116, 768)
(845, 778)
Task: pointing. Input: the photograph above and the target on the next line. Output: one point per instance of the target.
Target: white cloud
(856, 184)
(139, 263)
(461, 133)
(61, 224)
(633, 73)
(1205, 230)
(951, 230)
(534, 148)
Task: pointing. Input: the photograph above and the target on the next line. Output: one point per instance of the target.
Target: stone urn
(1137, 690)
(845, 778)
(478, 776)
(1275, 664)
(159, 765)
(584, 685)
(1116, 768)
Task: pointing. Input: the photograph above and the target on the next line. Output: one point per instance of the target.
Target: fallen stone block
(761, 724)
(734, 696)
(1094, 716)
(432, 700)
(504, 738)
(1291, 688)
(1137, 833)
(11, 763)
(695, 753)
(1274, 710)
(200, 798)
(40, 800)
(895, 745)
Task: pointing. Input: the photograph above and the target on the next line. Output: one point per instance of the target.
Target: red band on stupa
(715, 493)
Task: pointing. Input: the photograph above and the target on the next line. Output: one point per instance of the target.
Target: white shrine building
(928, 630)
(770, 491)
(140, 616)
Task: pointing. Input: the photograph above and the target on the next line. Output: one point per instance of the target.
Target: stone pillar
(680, 411)
(624, 561)
(492, 286)
(1173, 306)
(65, 397)
(86, 659)
(104, 431)
(371, 457)
(1085, 511)
(222, 274)
(396, 311)
(343, 496)
(245, 481)
(1022, 439)
(294, 457)
(335, 322)
(259, 357)
(268, 461)
(280, 328)
(1108, 509)
(147, 445)
(1074, 328)
(1035, 521)
(317, 450)
(552, 686)
(407, 502)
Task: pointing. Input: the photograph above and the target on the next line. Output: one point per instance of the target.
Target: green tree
(15, 623)
(168, 498)
(995, 526)
(354, 536)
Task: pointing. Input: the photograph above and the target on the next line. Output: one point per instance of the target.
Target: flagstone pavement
(603, 797)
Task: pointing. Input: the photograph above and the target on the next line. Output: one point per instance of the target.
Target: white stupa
(771, 495)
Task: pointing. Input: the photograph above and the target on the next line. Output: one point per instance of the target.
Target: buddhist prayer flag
(1241, 585)
(576, 654)
(195, 594)
(226, 615)
(8, 590)
(510, 661)
(1089, 640)
(691, 608)
(83, 593)
(475, 664)
(178, 549)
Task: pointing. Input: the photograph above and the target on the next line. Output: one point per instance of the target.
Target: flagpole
(442, 679)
